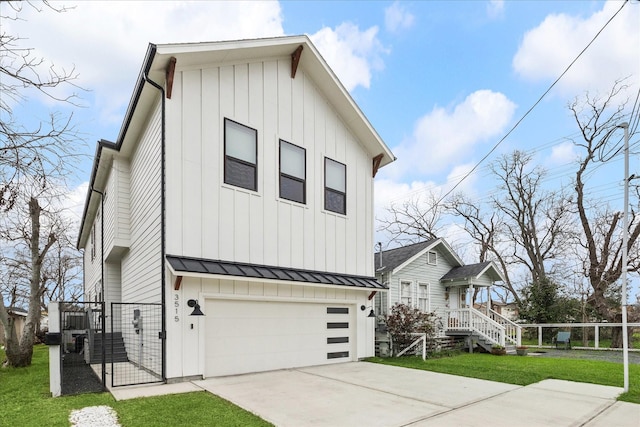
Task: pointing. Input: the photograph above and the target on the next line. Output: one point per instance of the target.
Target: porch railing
(470, 319)
(421, 338)
(513, 331)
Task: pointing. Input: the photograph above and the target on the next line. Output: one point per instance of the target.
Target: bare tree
(37, 156)
(597, 118)
(413, 220)
(47, 149)
(536, 220)
(62, 273)
(486, 230)
(31, 245)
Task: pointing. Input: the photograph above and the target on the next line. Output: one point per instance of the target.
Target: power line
(532, 107)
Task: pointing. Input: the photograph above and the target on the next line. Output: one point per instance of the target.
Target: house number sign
(176, 305)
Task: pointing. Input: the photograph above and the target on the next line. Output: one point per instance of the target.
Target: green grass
(25, 400)
(526, 370)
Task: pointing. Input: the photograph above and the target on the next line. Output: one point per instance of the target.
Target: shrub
(404, 320)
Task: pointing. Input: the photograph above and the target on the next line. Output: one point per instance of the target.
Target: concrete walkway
(368, 394)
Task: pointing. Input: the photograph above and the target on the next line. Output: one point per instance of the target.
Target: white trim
(258, 298)
(431, 247)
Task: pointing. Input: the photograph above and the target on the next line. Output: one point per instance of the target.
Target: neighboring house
(240, 186)
(19, 318)
(431, 277)
(507, 309)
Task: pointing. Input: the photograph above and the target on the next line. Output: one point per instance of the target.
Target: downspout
(163, 280)
(103, 317)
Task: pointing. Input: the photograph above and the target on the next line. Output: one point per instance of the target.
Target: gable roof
(473, 271)
(197, 267)
(153, 75)
(392, 258)
(396, 259)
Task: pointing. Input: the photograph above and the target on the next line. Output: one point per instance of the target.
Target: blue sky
(441, 81)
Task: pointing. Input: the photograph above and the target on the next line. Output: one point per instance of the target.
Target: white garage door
(254, 336)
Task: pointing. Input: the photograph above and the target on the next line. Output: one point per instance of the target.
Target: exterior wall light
(371, 313)
(196, 307)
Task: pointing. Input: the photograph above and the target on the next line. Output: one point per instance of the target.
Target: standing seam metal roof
(228, 268)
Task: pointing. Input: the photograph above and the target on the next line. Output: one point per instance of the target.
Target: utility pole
(625, 255)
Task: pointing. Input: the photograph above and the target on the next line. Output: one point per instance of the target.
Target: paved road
(606, 355)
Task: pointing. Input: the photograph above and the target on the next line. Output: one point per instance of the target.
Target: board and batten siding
(141, 265)
(209, 219)
(186, 334)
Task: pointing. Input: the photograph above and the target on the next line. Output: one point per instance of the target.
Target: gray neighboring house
(431, 277)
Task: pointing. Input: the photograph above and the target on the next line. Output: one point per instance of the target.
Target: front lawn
(25, 401)
(526, 370)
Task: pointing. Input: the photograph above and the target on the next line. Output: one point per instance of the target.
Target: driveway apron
(369, 394)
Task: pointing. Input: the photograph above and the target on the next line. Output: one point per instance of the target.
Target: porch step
(479, 340)
(115, 350)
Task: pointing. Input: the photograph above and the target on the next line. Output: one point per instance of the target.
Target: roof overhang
(217, 269)
(490, 270)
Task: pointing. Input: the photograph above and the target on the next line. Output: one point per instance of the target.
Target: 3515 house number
(176, 305)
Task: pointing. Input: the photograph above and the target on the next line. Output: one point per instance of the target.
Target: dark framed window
(293, 172)
(335, 186)
(240, 155)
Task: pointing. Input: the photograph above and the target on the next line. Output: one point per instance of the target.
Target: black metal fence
(134, 343)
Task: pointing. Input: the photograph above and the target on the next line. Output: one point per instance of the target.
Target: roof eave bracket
(171, 69)
(295, 60)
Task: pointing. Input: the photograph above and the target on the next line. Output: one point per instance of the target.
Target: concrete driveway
(368, 394)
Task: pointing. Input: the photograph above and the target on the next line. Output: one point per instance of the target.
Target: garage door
(255, 336)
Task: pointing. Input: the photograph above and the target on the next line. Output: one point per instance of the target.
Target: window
(93, 241)
(432, 258)
(423, 297)
(293, 172)
(405, 293)
(240, 155)
(335, 186)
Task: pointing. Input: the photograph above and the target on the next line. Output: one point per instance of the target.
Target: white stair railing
(469, 319)
(513, 331)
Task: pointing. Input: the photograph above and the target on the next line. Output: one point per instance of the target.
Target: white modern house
(240, 186)
(431, 277)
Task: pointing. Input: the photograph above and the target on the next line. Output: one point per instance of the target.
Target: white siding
(92, 265)
(419, 271)
(117, 209)
(141, 265)
(209, 219)
(186, 334)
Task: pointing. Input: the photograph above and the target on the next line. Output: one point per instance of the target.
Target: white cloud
(446, 137)
(352, 54)
(106, 41)
(397, 18)
(563, 154)
(495, 9)
(549, 48)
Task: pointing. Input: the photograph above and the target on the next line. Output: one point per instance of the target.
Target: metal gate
(82, 353)
(134, 344)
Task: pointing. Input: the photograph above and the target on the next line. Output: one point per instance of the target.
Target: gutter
(104, 308)
(143, 79)
(133, 104)
(163, 249)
